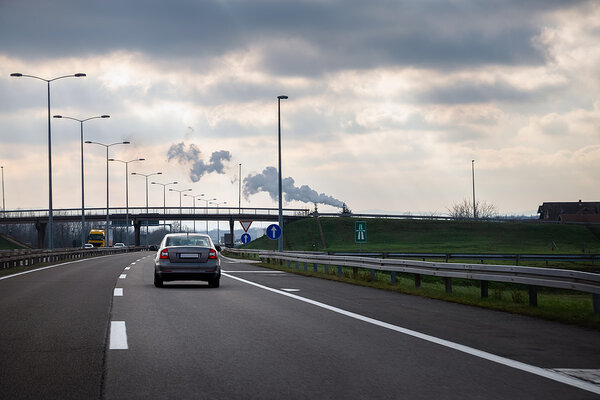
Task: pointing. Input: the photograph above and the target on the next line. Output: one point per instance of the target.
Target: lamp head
(80, 74)
(16, 74)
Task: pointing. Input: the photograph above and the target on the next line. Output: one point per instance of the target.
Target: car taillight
(164, 253)
(212, 254)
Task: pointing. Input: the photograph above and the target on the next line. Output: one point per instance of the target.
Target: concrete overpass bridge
(140, 216)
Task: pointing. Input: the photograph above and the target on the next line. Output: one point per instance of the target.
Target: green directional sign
(360, 232)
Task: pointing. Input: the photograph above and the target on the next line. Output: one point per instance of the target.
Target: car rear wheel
(157, 281)
(214, 283)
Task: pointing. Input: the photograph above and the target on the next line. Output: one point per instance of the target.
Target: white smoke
(267, 181)
(184, 155)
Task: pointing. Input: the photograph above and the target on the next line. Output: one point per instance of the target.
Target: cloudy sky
(389, 101)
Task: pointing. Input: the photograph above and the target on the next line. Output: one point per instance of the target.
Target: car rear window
(187, 241)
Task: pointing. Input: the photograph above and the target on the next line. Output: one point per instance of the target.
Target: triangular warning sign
(246, 225)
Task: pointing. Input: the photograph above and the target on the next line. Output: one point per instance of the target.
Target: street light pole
(180, 191)
(218, 227)
(146, 176)
(127, 194)
(81, 121)
(50, 218)
(164, 185)
(240, 191)
(473, 174)
(194, 201)
(280, 220)
(3, 204)
(107, 202)
(206, 211)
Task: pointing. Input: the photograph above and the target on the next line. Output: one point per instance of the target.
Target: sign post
(360, 233)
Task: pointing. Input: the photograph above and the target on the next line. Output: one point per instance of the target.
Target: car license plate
(188, 255)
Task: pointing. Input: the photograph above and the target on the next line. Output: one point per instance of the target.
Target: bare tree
(464, 210)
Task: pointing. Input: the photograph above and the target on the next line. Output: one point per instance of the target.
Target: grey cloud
(268, 181)
(338, 34)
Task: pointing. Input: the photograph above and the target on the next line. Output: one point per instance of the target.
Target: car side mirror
(218, 248)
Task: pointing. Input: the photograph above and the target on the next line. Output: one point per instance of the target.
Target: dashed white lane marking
(127, 268)
(290, 290)
(118, 336)
(555, 376)
(122, 276)
(118, 292)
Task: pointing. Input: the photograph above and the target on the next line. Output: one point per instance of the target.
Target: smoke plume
(192, 154)
(267, 181)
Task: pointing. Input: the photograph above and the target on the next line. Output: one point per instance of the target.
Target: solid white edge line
(48, 267)
(118, 336)
(118, 292)
(254, 272)
(555, 376)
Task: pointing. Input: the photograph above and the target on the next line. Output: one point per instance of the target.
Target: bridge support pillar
(231, 223)
(137, 227)
(41, 233)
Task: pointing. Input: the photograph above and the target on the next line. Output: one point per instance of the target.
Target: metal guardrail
(18, 258)
(533, 276)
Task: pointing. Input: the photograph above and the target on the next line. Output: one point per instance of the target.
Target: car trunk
(188, 255)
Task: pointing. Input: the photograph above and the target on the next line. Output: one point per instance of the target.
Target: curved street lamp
(81, 121)
(194, 196)
(180, 191)
(50, 219)
(218, 227)
(107, 203)
(127, 194)
(164, 185)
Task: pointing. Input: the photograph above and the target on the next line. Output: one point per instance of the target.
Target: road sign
(245, 238)
(273, 231)
(246, 225)
(360, 232)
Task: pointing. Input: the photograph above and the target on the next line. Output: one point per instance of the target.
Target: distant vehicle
(88, 246)
(119, 245)
(98, 238)
(187, 256)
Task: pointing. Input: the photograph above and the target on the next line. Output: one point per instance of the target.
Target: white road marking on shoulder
(127, 268)
(555, 376)
(118, 336)
(590, 375)
(48, 267)
(122, 276)
(290, 290)
(118, 292)
(254, 272)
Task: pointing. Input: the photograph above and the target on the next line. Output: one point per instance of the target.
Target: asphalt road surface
(99, 329)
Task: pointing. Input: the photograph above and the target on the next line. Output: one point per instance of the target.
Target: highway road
(99, 329)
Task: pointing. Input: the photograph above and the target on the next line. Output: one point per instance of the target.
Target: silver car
(187, 256)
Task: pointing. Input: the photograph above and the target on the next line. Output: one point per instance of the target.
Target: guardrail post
(484, 289)
(297, 266)
(393, 277)
(315, 267)
(372, 275)
(448, 284)
(326, 268)
(533, 296)
(417, 281)
(340, 272)
(305, 266)
(596, 302)
(288, 262)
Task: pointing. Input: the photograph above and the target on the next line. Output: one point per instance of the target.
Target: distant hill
(435, 236)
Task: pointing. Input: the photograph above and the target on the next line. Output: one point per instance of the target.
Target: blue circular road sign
(245, 238)
(273, 231)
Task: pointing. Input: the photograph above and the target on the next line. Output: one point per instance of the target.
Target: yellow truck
(98, 238)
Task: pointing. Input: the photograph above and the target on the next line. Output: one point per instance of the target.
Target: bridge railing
(532, 276)
(225, 211)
